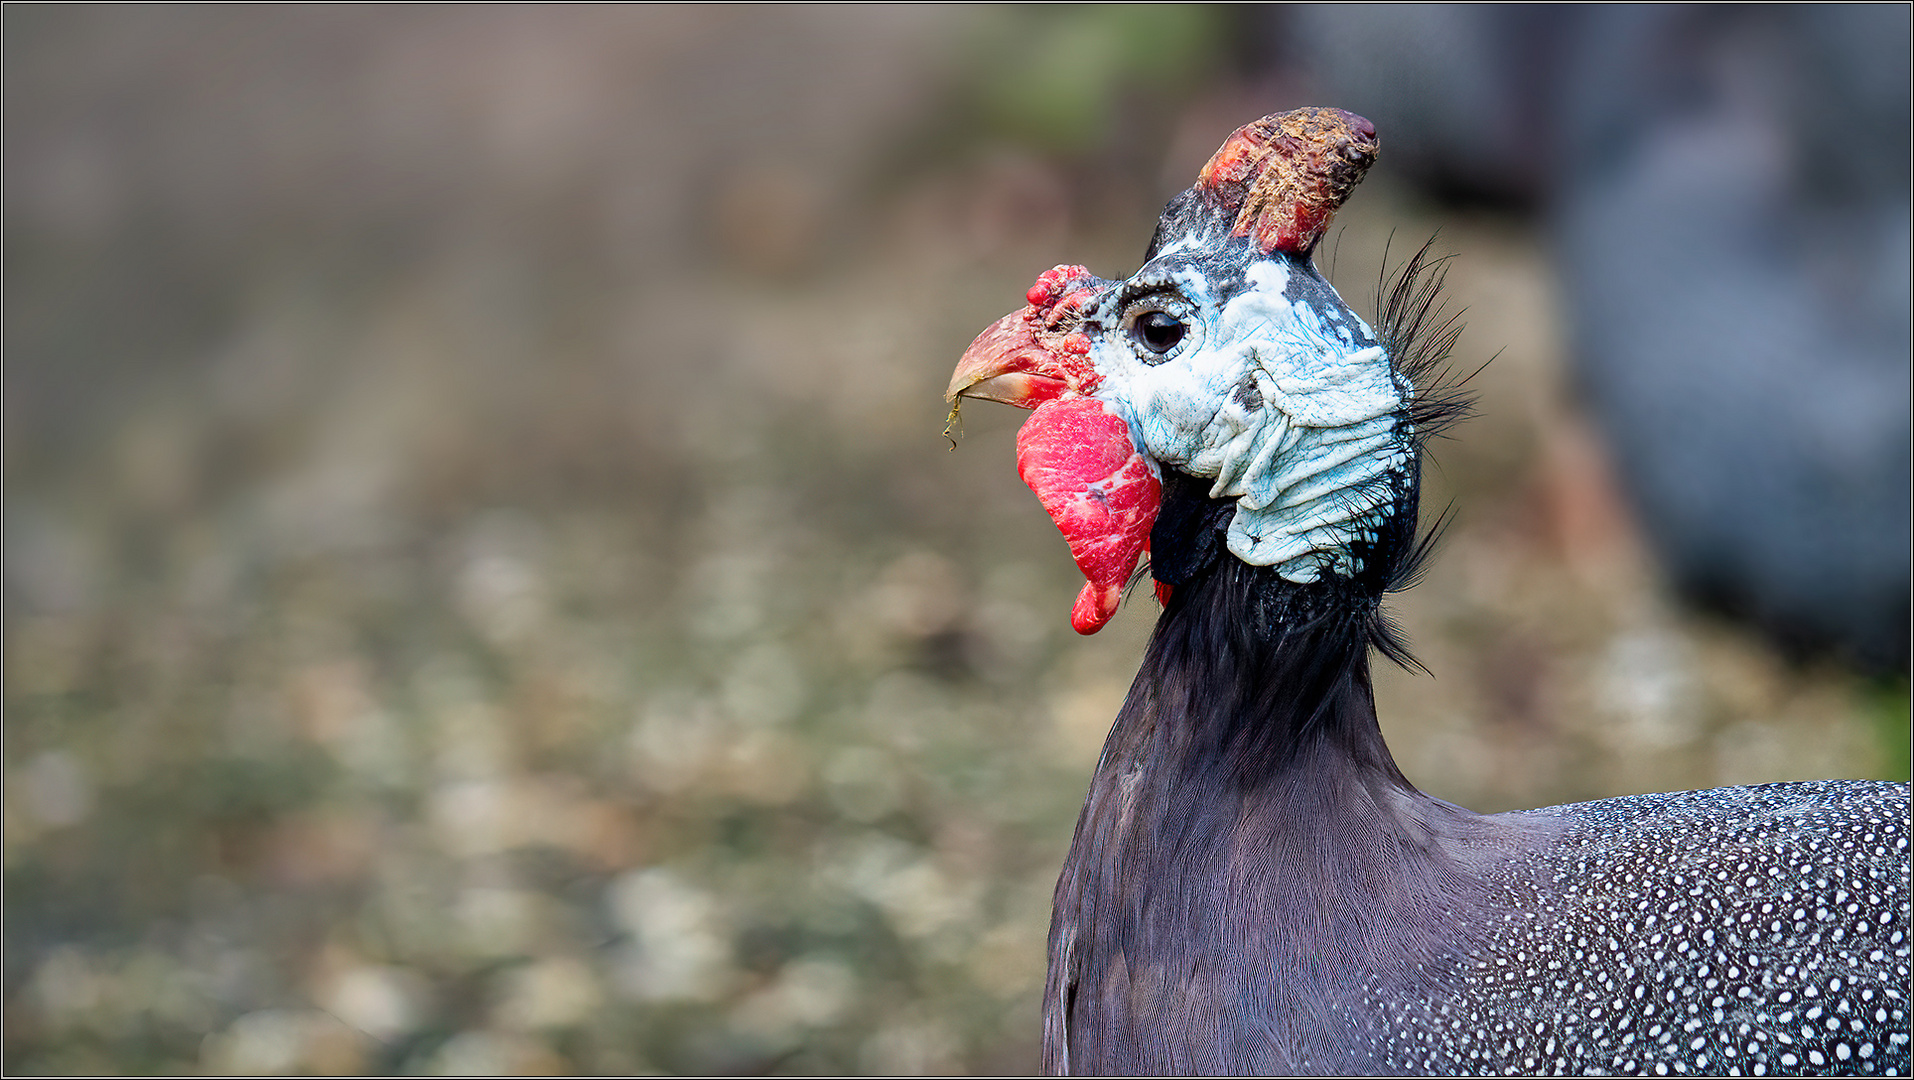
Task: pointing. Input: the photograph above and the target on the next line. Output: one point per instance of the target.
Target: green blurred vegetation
(1059, 77)
(1891, 717)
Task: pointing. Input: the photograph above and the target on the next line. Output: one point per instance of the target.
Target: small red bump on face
(1068, 309)
(1052, 283)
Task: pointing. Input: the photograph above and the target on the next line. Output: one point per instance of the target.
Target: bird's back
(1739, 931)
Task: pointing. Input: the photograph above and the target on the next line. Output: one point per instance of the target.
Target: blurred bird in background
(1727, 191)
(485, 591)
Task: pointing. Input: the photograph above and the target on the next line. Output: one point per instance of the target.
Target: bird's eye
(1160, 325)
(1158, 331)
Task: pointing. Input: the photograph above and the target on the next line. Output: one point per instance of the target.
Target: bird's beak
(1034, 354)
(1007, 363)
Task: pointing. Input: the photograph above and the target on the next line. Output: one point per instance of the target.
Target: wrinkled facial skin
(1273, 389)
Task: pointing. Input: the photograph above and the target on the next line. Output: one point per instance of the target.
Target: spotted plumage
(1750, 931)
(1254, 887)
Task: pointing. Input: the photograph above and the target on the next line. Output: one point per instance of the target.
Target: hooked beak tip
(1006, 363)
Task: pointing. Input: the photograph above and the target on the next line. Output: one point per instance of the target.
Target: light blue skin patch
(1291, 416)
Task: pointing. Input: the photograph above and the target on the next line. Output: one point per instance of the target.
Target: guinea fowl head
(1228, 376)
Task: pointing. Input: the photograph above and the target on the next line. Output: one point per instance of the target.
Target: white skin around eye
(1289, 415)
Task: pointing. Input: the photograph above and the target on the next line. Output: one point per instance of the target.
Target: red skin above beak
(1076, 451)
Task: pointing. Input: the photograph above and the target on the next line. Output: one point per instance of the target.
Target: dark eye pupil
(1159, 331)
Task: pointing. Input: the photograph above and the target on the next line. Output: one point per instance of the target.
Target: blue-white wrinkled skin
(1278, 392)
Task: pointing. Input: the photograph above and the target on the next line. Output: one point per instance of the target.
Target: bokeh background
(486, 591)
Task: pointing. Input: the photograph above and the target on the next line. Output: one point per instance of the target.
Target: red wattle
(1077, 455)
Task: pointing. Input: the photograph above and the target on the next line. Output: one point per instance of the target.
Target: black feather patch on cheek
(1190, 526)
(1247, 395)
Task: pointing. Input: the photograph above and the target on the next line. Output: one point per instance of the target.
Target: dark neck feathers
(1253, 672)
(1246, 807)
(1248, 675)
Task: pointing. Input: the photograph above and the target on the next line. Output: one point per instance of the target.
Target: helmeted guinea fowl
(1254, 887)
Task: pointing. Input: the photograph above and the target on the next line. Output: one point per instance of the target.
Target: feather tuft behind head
(1419, 333)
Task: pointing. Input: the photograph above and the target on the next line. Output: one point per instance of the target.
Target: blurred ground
(485, 591)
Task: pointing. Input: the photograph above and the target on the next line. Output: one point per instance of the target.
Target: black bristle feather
(1419, 334)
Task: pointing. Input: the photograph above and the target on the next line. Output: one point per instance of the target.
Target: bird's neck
(1258, 688)
(1250, 678)
(1247, 838)
(1249, 745)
